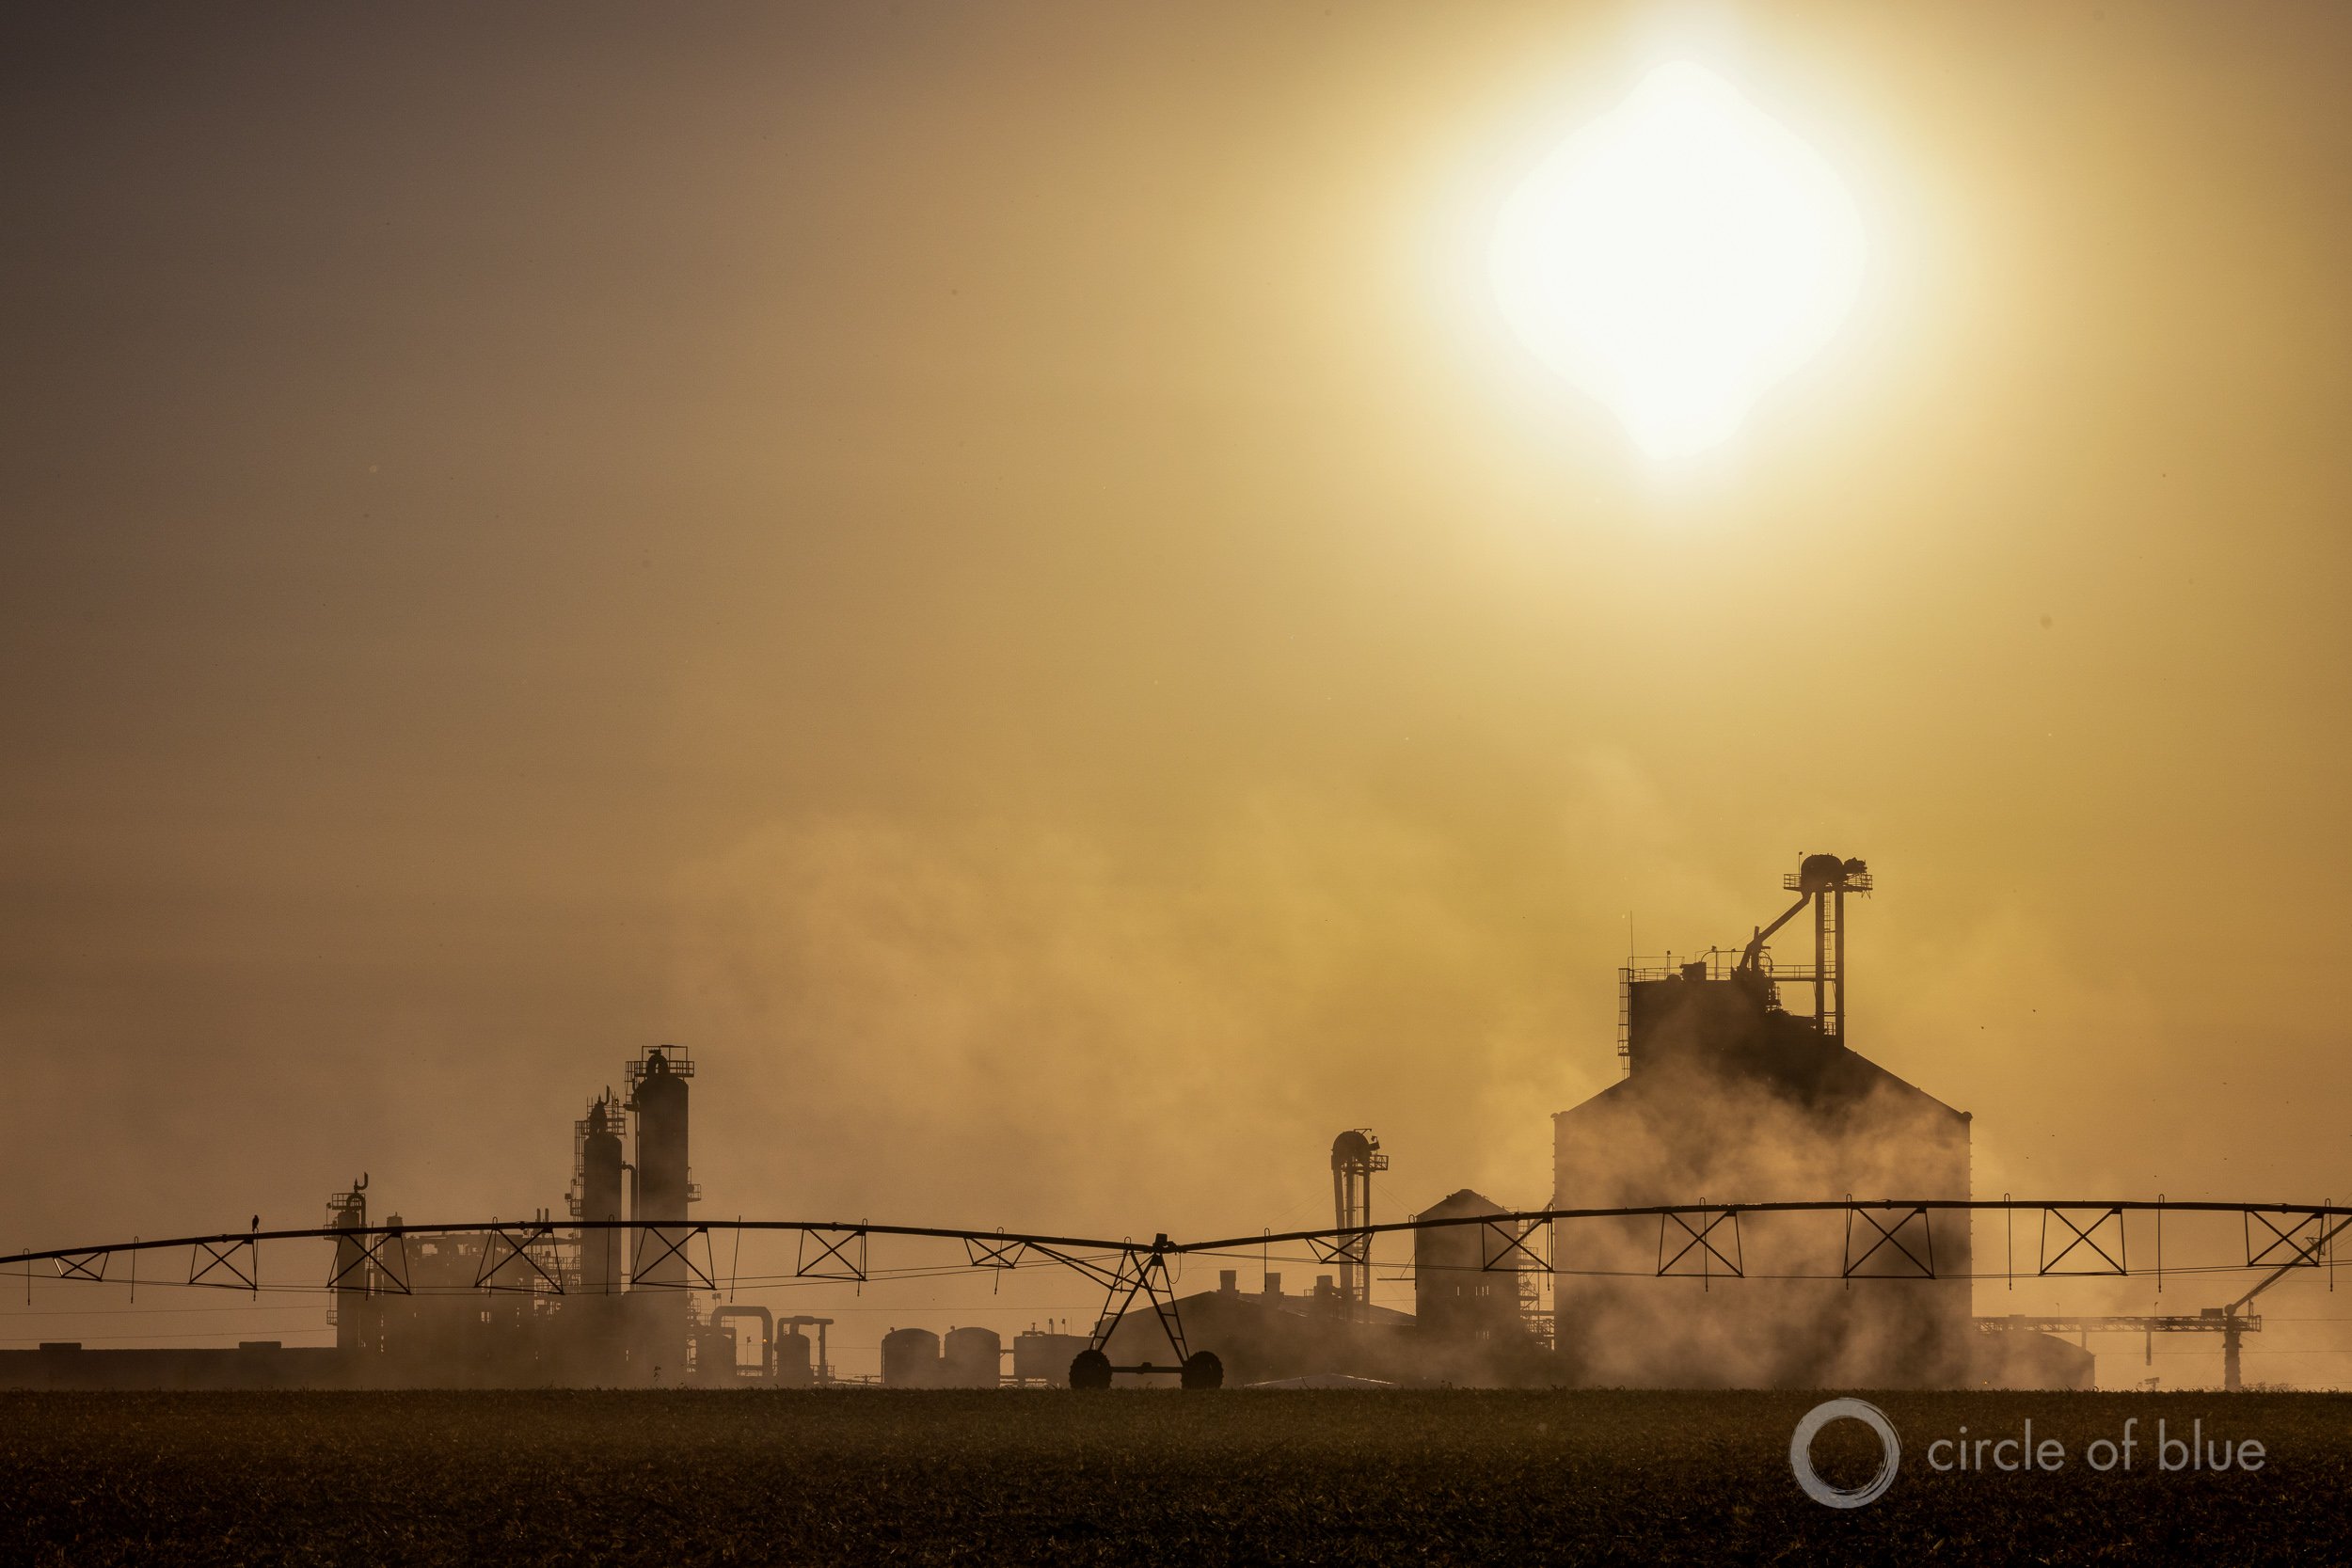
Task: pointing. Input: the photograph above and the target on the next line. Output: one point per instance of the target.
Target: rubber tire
(1203, 1369)
(1090, 1368)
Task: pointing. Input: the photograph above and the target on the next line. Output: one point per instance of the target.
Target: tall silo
(1464, 1284)
(1728, 1094)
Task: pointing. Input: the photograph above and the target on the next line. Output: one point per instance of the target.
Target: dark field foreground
(1130, 1479)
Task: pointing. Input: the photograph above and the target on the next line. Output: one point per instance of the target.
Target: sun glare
(1677, 257)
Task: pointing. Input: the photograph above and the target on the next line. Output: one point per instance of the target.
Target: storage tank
(909, 1358)
(600, 1251)
(973, 1359)
(794, 1367)
(1463, 1285)
(1039, 1356)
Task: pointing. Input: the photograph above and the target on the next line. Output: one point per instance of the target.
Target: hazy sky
(995, 572)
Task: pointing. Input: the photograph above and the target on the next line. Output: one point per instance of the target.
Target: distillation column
(660, 1267)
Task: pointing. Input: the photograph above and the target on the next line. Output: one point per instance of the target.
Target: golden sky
(995, 572)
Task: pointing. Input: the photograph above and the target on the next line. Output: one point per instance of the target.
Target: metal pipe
(1230, 1244)
(1840, 896)
(767, 1334)
(1821, 960)
(1754, 950)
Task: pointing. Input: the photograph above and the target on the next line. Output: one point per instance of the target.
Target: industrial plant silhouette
(1753, 1204)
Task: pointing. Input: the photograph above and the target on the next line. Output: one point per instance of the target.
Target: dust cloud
(999, 580)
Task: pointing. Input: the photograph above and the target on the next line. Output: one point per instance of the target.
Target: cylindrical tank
(974, 1358)
(1042, 1356)
(600, 1251)
(659, 1100)
(715, 1356)
(909, 1358)
(793, 1364)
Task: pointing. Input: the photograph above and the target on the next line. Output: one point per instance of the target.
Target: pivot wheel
(1090, 1368)
(1203, 1369)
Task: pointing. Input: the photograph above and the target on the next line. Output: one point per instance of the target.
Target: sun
(1678, 257)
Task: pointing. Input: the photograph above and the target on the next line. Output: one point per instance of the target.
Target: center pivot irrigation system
(1886, 1240)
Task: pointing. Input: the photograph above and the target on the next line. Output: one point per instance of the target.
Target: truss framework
(2295, 1245)
(982, 1252)
(1696, 1242)
(1502, 1246)
(1905, 1249)
(1142, 1270)
(208, 1258)
(1884, 1241)
(1344, 1247)
(388, 1252)
(1104, 1275)
(840, 1252)
(671, 1241)
(503, 1247)
(2089, 1243)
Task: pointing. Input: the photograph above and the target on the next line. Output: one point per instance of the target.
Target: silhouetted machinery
(658, 1098)
(1355, 1155)
(598, 1183)
(1728, 1094)
(1823, 881)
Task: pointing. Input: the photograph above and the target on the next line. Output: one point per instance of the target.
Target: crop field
(1135, 1478)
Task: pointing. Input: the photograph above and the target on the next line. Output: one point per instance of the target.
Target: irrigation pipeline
(998, 1246)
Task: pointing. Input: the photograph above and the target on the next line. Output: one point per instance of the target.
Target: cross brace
(1503, 1247)
(1143, 1271)
(205, 1259)
(2091, 1240)
(1906, 1248)
(503, 1247)
(840, 1253)
(2295, 1244)
(1676, 1225)
(668, 1242)
(389, 1253)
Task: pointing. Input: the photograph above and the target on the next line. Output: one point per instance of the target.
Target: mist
(1045, 634)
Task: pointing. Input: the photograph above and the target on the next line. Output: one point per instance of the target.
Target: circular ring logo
(1800, 1453)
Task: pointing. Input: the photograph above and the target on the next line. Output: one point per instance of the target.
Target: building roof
(1463, 1201)
(1725, 1034)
